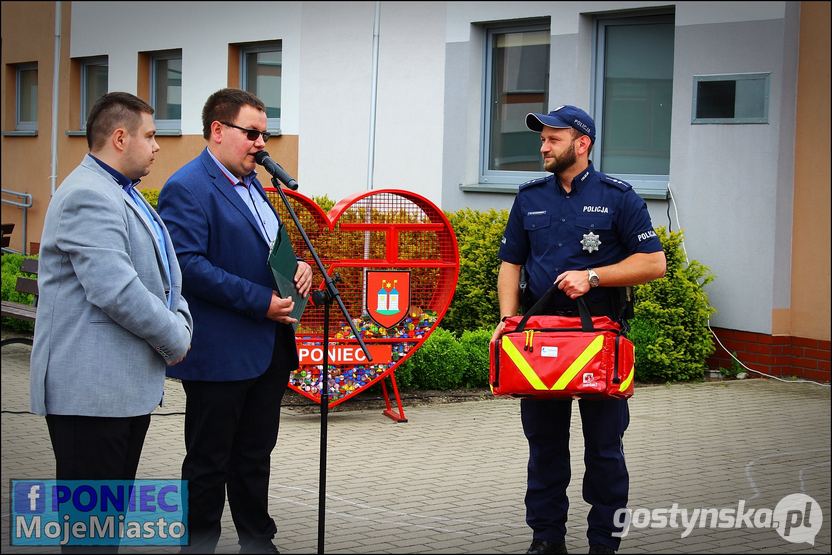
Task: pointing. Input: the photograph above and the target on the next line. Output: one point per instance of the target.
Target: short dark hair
(576, 134)
(111, 111)
(224, 105)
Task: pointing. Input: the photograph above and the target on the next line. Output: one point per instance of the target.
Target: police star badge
(591, 242)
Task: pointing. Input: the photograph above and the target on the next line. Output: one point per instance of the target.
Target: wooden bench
(7, 236)
(23, 311)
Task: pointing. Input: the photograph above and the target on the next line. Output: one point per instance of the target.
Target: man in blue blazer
(235, 376)
(110, 315)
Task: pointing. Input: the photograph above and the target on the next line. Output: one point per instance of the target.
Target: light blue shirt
(260, 208)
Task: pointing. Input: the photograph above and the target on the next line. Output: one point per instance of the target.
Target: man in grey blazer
(110, 316)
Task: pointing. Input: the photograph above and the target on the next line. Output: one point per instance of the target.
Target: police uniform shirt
(600, 222)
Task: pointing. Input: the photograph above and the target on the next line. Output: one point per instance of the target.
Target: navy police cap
(561, 118)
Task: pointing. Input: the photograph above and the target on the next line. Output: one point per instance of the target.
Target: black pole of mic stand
(327, 301)
(326, 297)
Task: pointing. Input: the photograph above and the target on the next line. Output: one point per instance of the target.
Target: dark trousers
(96, 448)
(606, 481)
(230, 432)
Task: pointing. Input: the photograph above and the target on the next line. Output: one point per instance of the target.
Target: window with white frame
(261, 69)
(94, 75)
(516, 83)
(166, 89)
(26, 100)
(633, 99)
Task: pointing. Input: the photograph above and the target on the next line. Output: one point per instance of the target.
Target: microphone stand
(325, 297)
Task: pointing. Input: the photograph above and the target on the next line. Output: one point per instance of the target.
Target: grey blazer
(104, 333)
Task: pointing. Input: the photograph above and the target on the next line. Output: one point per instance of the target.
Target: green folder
(284, 263)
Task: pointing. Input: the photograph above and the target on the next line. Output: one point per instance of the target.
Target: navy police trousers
(606, 481)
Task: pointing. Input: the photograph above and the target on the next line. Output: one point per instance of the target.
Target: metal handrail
(25, 203)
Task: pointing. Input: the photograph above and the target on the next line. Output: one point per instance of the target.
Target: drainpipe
(373, 95)
(56, 73)
(371, 151)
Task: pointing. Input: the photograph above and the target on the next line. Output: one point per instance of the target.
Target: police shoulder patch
(537, 181)
(623, 185)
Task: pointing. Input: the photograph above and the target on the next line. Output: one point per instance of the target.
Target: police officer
(590, 235)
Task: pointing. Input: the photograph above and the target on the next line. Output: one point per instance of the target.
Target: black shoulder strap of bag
(583, 310)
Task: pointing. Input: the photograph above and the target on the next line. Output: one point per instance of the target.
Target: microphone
(274, 168)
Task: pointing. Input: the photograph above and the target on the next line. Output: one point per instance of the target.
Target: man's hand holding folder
(292, 279)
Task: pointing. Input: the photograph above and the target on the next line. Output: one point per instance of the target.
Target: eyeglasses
(251, 134)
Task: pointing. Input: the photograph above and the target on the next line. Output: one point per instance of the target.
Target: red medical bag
(549, 357)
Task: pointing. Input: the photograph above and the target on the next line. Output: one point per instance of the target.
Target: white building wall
(411, 98)
(727, 180)
(335, 84)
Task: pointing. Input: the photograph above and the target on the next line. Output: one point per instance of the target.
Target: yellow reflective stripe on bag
(578, 364)
(626, 383)
(522, 365)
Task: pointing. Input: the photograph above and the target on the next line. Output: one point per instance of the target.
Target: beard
(562, 162)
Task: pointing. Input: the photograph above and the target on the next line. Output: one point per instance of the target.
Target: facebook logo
(99, 512)
(29, 497)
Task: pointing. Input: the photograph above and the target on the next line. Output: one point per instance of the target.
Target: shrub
(670, 327)
(475, 304)
(734, 370)
(404, 376)
(438, 364)
(475, 346)
(445, 363)
(10, 271)
(152, 196)
(324, 202)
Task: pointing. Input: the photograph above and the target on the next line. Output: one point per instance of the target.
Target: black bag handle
(583, 310)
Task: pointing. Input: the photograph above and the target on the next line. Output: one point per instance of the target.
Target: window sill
(490, 188)
(77, 133)
(648, 190)
(652, 194)
(21, 133)
(168, 132)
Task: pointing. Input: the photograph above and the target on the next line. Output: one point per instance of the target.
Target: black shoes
(543, 546)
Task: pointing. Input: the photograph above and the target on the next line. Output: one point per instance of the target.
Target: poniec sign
(99, 512)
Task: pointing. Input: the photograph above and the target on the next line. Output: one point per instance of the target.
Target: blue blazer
(225, 277)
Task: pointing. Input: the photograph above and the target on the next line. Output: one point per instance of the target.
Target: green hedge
(446, 362)
(670, 328)
(151, 195)
(324, 202)
(10, 271)
(475, 346)
(475, 304)
(438, 364)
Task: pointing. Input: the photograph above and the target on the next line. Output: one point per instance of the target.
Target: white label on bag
(551, 352)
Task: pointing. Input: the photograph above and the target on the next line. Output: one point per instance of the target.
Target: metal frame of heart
(384, 230)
